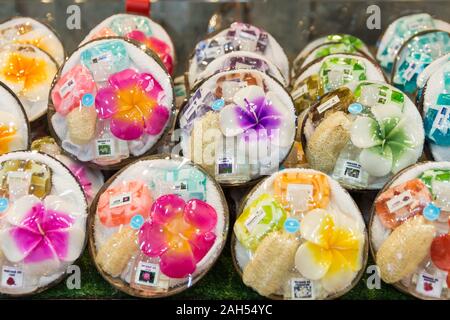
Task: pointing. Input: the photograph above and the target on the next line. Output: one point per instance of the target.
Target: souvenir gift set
(43, 213)
(111, 102)
(157, 226)
(409, 231)
(299, 235)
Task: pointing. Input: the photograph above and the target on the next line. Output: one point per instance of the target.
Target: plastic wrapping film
(112, 101)
(299, 235)
(363, 135)
(239, 125)
(43, 215)
(14, 127)
(90, 179)
(141, 29)
(26, 30)
(433, 99)
(399, 31)
(409, 231)
(415, 55)
(330, 44)
(330, 72)
(157, 226)
(268, 55)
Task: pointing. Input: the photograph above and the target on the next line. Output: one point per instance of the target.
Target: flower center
(251, 107)
(41, 231)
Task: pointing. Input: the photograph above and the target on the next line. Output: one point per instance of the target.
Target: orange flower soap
(302, 191)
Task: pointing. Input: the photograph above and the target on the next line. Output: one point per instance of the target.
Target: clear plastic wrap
(112, 101)
(330, 44)
(90, 179)
(157, 226)
(29, 72)
(410, 231)
(26, 30)
(239, 125)
(402, 29)
(415, 55)
(239, 37)
(299, 235)
(331, 72)
(43, 214)
(433, 100)
(362, 135)
(141, 29)
(14, 127)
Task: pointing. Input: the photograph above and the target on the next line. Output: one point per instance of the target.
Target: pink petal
(127, 126)
(54, 220)
(43, 251)
(200, 215)
(150, 86)
(68, 244)
(106, 102)
(137, 35)
(167, 207)
(178, 262)
(59, 242)
(17, 243)
(33, 218)
(201, 245)
(152, 239)
(123, 79)
(157, 120)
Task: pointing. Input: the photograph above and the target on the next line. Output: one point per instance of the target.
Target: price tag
(120, 200)
(399, 201)
(254, 219)
(328, 104)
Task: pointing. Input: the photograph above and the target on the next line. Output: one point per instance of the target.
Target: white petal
(381, 111)
(286, 132)
(311, 261)
(248, 93)
(364, 132)
(57, 203)
(408, 157)
(9, 248)
(21, 208)
(310, 226)
(375, 163)
(75, 245)
(338, 281)
(229, 121)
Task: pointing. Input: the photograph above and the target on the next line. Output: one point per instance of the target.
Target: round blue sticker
(431, 212)
(218, 104)
(137, 221)
(355, 108)
(4, 203)
(291, 225)
(87, 99)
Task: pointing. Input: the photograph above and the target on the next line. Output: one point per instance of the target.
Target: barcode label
(328, 104)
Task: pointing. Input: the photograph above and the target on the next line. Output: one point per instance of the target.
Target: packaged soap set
(238, 121)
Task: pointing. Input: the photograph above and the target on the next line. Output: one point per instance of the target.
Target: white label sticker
(181, 185)
(399, 201)
(351, 170)
(302, 289)
(254, 219)
(104, 147)
(12, 277)
(102, 58)
(328, 104)
(67, 87)
(147, 274)
(299, 92)
(429, 285)
(120, 200)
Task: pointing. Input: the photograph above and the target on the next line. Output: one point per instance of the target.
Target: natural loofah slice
(203, 140)
(114, 255)
(270, 265)
(404, 249)
(81, 124)
(327, 141)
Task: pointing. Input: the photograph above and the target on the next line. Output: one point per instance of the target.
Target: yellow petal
(312, 261)
(339, 275)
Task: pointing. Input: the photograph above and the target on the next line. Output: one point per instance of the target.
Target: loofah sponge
(327, 141)
(114, 255)
(81, 124)
(203, 140)
(404, 249)
(270, 265)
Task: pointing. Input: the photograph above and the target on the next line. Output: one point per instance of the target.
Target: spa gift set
(297, 141)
